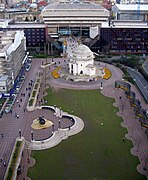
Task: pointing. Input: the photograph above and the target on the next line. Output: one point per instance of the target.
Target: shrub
(13, 160)
(36, 86)
(38, 80)
(31, 102)
(34, 93)
(41, 56)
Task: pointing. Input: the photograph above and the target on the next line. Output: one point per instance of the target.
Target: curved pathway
(58, 135)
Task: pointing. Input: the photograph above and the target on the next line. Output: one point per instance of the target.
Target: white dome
(82, 51)
(33, 5)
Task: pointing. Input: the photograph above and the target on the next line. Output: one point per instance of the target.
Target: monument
(82, 63)
(41, 123)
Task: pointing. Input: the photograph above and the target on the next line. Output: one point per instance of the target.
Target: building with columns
(82, 62)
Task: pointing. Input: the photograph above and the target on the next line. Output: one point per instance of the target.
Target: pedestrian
(17, 116)
(21, 100)
(123, 139)
(26, 89)
(4, 164)
(17, 101)
(38, 96)
(1, 160)
(19, 105)
(2, 135)
(24, 109)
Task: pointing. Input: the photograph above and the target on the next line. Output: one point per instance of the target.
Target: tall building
(12, 54)
(74, 17)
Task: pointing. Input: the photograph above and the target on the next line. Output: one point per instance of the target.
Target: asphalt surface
(140, 82)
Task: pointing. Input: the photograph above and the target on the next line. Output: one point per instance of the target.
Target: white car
(28, 66)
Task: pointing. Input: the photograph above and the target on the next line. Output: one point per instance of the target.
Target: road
(140, 82)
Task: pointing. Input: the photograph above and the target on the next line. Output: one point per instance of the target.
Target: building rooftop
(6, 39)
(3, 78)
(131, 7)
(24, 25)
(73, 6)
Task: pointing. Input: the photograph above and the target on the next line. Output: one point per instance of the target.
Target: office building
(12, 54)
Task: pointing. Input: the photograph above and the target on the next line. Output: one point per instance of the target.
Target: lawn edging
(11, 172)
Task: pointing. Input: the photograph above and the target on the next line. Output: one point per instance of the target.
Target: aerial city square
(73, 89)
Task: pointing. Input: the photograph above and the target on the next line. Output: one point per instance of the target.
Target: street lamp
(20, 134)
(60, 112)
(101, 87)
(59, 124)
(53, 128)
(32, 135)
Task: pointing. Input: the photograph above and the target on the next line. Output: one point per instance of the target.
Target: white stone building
(130, 12)
(12, 56)
(82, 62)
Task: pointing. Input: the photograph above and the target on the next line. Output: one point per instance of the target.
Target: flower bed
(36, 86)
(55, 73)
(14, 160)
(31, 102)
(107, 73)
(34, 93)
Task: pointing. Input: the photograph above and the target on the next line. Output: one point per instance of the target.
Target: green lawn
(97, 152)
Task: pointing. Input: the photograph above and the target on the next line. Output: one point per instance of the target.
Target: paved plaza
(10, 124)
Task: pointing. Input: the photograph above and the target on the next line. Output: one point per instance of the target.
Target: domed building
(82, 62)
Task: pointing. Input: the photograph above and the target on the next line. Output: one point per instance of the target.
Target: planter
(33, 96)
(15, 159)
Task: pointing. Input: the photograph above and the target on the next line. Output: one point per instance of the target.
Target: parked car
(28, 66)
(28, 60)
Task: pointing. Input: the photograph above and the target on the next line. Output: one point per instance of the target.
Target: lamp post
(55, 108)
(60, 112)
(32, 135)
(101, 87)
(59, 124)
(20, 134)
(53, 128)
